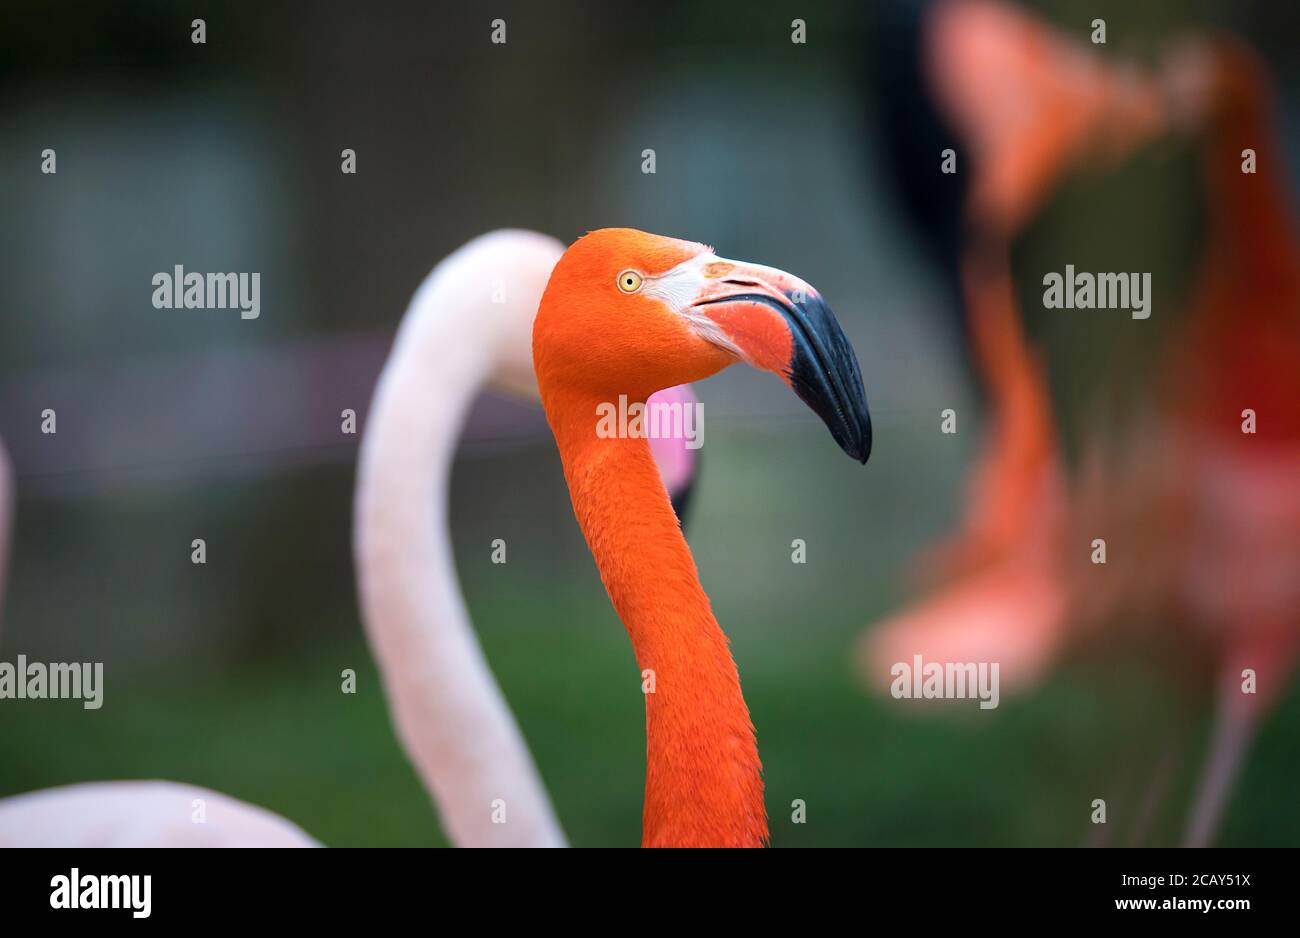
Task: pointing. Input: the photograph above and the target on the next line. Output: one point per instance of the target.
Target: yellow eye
(629, 281)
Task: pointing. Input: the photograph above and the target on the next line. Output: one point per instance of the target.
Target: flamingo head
(626, 312)
(1031, 102)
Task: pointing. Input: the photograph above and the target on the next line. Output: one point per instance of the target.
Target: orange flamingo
(1021, 105)
(1012, 609)
(1236, 563)
(1027, 105)
(1203, 488)
(1030, 104)
(449, 712)
(468, 324)
(629, 313)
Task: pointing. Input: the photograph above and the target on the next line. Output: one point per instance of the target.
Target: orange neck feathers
(703, 784)
(626, 314)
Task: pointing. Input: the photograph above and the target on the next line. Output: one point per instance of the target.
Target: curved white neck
(467, 317)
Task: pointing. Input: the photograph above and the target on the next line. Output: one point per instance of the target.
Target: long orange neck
(703, 783)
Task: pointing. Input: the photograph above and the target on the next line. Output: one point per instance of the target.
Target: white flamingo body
(141, 814)
(449, 712)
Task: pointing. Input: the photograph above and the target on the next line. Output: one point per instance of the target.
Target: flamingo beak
(778, 323)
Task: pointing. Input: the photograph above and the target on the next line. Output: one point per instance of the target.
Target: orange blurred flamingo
(1023, 105)
(1212, 510)
(1203, 488)
(1232, 501)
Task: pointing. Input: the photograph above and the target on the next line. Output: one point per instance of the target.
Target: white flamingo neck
(450, 714)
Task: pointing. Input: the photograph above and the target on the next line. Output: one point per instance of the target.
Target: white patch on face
(679, 286)
(677, 289)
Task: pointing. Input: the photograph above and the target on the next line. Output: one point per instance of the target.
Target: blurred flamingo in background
(141, 814)
(1208, 490)
(1021, 105)
(1011, 610)
(469, 324)
(1209, 512)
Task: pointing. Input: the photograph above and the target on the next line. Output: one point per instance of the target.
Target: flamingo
(448, 709)
(455, 727)
(1029, 105)
(141, 814)
(1013, 610)
(1214, 511)
(628, 313)
(1020, 104)
(1236, 572)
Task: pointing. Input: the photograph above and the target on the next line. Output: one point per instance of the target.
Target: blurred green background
(178, 424)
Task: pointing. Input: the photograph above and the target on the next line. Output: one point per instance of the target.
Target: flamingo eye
(629, 281)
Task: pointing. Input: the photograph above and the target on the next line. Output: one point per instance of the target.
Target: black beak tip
(855, 438)
(824, 372)
(862, 451)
